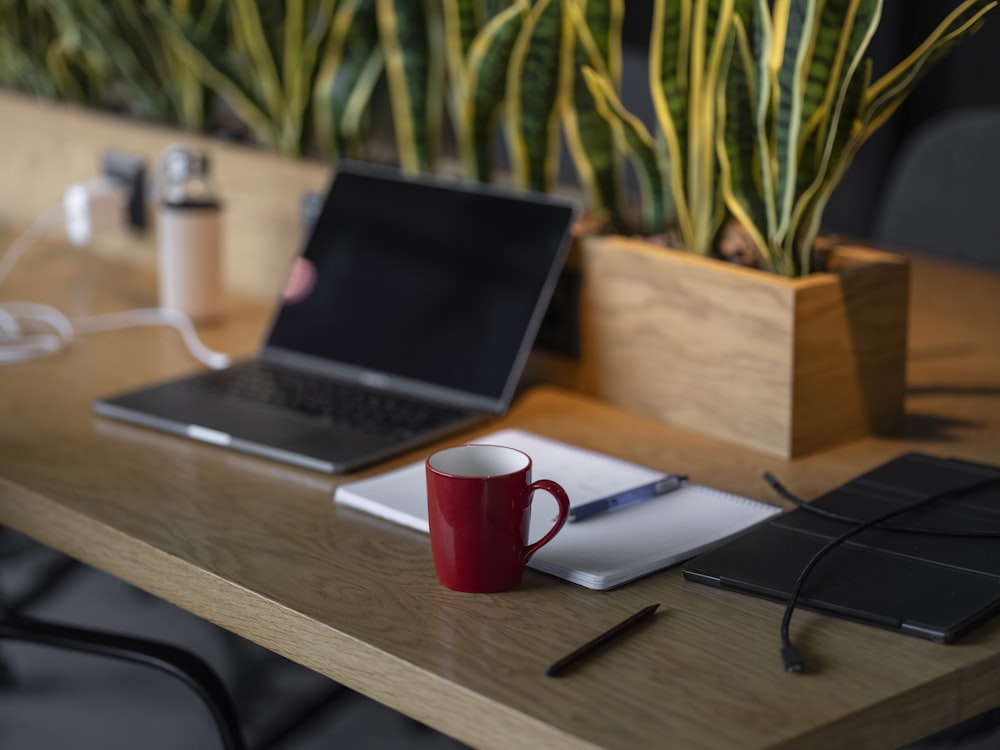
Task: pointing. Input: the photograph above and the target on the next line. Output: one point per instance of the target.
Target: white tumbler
(189, 237)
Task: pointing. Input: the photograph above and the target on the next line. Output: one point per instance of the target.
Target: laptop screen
(432, 281)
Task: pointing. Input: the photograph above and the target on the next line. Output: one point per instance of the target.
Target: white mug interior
(479, 461)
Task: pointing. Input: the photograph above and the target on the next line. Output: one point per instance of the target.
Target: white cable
(152, 316)
(26, 240)
(19, 341)
(45, 314)
(8, 325)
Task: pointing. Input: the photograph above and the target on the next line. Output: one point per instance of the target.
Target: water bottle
(189, 236)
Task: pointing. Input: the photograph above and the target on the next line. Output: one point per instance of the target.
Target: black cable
(800, 503)
(791, 657)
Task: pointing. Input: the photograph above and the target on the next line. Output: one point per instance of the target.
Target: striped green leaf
(214, 69)
(413, 69)
(668, 70)
(886, 94)
(793, 24)
(495, 7)
(823, 138)
(836, 55)
(489, 57)
(348, 52)
(589, 135)
(847, 113)
(651, 165)
(462, 21)
(603, 19)
(760, 38)
(710, 35)
(257, 54)
(741, 171)
(357, 113)
(306, 27)
(536, 85)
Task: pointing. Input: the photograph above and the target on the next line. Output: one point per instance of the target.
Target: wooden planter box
(783, 366)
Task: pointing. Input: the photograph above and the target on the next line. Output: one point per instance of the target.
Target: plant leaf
(657, 206)
(668, 74)
(301, 63)
(535, 86)
(352, 39)
(741, 178)
(710, 34)
(489, 57)
(411, 67)
(847, 117)
(253, 47)
(825, 130)
(604, 20)
(760, 38)
(462, 21)
(358, 104)
(793, 24)
(212, 68)
(836, 55)
(886, 94)
(589, 135)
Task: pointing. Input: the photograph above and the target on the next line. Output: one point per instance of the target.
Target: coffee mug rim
(441, 472)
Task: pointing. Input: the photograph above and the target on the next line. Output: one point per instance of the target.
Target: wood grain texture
(787, 366)
(260, 549)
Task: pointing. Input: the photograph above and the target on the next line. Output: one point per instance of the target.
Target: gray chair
(942, 194)
(88, 661)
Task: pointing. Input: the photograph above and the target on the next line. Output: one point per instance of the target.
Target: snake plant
(518, 65)
(264, 66)
(104, 54)
(759, 112)
(524, 69)
(351, 69)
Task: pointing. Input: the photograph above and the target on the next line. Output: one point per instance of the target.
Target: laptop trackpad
(269, 427)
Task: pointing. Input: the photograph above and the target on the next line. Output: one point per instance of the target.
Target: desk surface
(261, 549)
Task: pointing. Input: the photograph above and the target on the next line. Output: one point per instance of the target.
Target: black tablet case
(934, 586)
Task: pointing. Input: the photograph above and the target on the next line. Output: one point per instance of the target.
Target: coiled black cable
(791, 657)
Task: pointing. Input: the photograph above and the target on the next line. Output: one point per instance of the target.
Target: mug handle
(560, 497)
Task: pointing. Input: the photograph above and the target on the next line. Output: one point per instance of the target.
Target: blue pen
(633, 496)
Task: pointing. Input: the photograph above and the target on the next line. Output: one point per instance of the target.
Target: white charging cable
(155, 316)
(29, 330)
(19, 338)
(27, 239)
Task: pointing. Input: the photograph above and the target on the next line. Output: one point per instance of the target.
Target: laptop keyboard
(359, 408)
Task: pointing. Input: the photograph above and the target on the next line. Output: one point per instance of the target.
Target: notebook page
(620, 546)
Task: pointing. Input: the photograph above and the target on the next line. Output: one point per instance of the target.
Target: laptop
(409, 315)
(935, 586)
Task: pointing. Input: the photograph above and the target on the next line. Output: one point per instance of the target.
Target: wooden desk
(260, 549)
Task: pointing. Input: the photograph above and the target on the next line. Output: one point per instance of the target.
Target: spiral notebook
(601, 552)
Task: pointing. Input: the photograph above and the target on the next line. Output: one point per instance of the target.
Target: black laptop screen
(423, 279)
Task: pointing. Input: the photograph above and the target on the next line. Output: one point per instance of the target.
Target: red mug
(479, 509)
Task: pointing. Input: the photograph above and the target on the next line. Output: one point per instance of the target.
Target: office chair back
(942, 194)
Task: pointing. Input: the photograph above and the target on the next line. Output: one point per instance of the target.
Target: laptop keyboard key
(359, 408)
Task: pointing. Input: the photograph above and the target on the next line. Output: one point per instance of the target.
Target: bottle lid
(186, 177)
